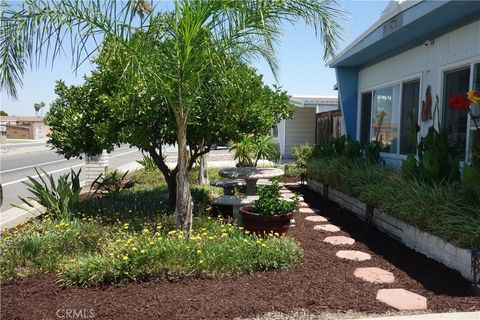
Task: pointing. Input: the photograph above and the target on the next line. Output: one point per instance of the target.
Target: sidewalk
(432, 316)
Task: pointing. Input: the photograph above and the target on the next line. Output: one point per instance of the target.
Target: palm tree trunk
(203, 172)
(184, 199)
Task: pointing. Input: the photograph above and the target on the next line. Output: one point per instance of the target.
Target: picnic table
(251, 175)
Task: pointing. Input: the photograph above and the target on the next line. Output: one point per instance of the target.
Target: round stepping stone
(402, 299)
(353, 255)
(338, 240)
(327, 227)
(303, 205)
(374, 275)
(308, 210)
(316, 219)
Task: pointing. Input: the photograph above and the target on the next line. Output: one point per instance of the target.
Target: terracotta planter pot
(259, 224)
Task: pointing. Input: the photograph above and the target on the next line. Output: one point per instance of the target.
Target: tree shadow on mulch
(431, 274)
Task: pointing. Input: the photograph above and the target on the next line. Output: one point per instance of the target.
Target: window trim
(413, 77)
(471, 62)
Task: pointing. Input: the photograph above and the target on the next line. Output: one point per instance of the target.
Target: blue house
(389, 78)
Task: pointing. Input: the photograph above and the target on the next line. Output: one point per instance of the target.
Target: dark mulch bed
(322, 282)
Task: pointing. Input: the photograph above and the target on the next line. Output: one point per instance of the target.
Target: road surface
(16, 166)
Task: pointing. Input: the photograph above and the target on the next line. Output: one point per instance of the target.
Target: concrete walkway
(431, 316)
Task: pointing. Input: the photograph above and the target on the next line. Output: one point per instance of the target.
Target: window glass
(457, 81)
(385, 118)
(410, 101)
(366, 113)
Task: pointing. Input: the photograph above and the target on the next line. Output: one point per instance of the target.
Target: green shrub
(250, 149)
(302, 153)
(148, 163)
(113, 184)
(445, 210)
(271, 202)
(59, 198)
(342, 147)
(437, 159)
(294, 171)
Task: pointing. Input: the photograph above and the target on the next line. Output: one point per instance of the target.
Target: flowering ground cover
(132, 237)
(320, 282)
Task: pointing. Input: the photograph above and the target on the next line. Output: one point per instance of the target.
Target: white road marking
(63, 169)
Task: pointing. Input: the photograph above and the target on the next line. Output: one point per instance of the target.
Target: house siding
(300, 129)
(449, 51)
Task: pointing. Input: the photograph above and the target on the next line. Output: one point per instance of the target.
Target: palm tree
(38, 107)
(189, 39)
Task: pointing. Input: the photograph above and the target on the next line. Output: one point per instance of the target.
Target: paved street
(16, 166)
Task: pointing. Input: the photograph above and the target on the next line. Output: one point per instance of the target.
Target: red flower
(459, 102)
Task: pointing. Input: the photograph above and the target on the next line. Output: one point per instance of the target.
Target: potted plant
(270, 213)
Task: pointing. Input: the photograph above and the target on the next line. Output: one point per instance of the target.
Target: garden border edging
(432, 246)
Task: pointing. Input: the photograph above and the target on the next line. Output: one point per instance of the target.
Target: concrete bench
(235, 201)
(228, 185)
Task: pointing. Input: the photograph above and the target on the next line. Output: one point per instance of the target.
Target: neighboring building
(302, 127)
(415, 48)
(24, 127)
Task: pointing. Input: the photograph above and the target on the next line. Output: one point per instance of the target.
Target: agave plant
(58, 197)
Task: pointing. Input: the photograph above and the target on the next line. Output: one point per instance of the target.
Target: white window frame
(413, 77)
(443, 105)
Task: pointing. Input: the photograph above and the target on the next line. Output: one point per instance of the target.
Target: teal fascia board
(347, 79)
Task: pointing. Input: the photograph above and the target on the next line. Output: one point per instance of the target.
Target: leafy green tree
(3, 113)
(107, 110)
(185, 39)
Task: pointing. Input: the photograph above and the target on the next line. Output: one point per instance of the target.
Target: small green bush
(302, 153)
(271, 202)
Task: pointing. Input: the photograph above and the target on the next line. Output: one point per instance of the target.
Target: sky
(300, 54)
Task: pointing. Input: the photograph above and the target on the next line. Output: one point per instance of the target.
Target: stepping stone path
(402, 299)
(327, 227)
(316, 219)
(308, 210)
(338, 240)
(374, 275)
(353, 255)
(399, 299)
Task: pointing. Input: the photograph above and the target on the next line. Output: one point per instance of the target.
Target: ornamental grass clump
(271, 202)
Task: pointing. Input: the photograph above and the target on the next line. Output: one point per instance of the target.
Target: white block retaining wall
(423, 242)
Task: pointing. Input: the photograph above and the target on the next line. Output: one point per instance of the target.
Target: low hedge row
(445, 210)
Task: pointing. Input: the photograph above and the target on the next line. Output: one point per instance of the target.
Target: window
(410, 102)
(476, 113)
(456, 81)
(386, 118)
(365, 113)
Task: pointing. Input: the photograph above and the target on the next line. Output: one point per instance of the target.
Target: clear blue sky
(302, 70)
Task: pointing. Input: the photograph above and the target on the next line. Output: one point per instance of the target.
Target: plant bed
(319, 283)
(423, 242)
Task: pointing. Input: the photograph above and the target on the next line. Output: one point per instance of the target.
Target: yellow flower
(264, 245)
(276, 234)
(199, 251)
(201, 262)
(125, 258)
(172, 232)
(211, 238)
(474, 96)
(143, 251)
(224, 234)
(146, 230)
(111, 254)
(151, 243)
(245, 240)
(135, 249)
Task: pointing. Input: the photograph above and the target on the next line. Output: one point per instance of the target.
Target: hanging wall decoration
(427, 105)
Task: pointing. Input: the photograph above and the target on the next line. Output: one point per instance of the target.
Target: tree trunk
(170, 175)
(203, 172)
(184, 199)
